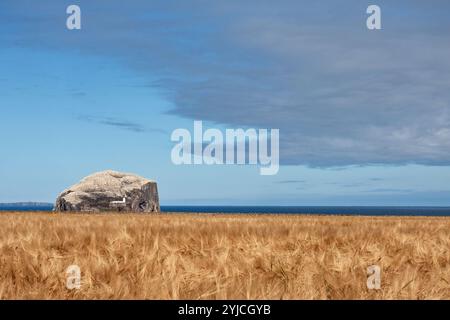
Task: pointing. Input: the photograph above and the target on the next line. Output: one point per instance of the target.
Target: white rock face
(110, 191)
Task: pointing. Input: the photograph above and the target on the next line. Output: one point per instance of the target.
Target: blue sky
(364, 116)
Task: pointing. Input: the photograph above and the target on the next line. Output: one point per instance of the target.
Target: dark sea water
(367, 211)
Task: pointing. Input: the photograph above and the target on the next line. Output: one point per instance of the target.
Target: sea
(324, 210)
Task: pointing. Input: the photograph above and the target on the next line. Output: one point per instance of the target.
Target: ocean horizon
(319, 210)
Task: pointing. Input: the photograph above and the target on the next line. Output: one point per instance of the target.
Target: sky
(364, 115)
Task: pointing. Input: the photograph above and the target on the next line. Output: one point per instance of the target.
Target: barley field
(206, 256)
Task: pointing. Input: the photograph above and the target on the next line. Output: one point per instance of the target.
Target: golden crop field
(205, 256)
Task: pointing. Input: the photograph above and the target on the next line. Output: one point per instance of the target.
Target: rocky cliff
(110, 191)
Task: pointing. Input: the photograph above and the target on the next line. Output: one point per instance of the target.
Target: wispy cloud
(290, 181)
(390, 190)
(120, 124)
(78, 94)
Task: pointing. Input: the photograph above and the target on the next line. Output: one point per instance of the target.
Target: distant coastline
(25, 204)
